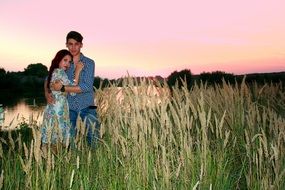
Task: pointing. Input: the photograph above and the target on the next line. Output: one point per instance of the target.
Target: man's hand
(48, 94)
(49, 98)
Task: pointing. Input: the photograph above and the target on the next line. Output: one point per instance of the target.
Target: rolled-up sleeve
(87, 76)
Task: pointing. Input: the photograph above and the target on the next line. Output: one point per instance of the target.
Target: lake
(17, 110)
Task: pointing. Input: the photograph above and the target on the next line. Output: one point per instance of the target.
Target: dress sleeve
(60, 74)
(64, 77)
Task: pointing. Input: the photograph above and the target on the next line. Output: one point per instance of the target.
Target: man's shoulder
(87, 59)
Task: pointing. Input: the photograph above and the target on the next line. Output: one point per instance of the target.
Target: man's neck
(76, 58)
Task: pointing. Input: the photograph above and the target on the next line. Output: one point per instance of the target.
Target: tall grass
(211, 137)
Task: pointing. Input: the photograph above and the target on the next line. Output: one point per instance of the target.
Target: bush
(177, 78)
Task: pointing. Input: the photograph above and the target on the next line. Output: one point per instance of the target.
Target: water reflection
(23, 110)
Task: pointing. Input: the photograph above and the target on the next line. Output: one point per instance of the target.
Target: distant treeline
(31, 80)
(259, 78)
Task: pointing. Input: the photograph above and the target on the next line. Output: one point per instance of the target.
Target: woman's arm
(78, 68)
(69, 86)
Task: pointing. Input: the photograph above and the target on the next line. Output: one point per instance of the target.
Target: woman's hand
(56, 85)
(79, 66)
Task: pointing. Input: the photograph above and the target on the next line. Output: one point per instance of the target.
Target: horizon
(148, 38)
(193, 74)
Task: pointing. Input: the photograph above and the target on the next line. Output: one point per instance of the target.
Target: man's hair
(74, 35)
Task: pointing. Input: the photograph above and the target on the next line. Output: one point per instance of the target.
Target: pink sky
(147, 38)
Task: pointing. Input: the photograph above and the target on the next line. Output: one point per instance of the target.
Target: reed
(211, 137)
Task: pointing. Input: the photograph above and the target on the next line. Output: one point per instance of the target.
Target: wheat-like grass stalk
(221, 136)
(1, 179)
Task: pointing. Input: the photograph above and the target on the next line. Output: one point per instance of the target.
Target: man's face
(74, 46)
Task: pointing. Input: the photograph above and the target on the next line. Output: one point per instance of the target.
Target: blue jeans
(92, 124)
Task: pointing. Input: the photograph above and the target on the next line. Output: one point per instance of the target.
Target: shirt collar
(80, 58)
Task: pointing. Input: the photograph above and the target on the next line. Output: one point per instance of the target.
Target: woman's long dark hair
(55, 63)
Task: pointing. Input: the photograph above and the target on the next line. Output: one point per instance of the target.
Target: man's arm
(85, 83)
(74, 89)
(57, 85)
(48, 94)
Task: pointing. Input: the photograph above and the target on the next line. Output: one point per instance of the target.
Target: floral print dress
(56, 122)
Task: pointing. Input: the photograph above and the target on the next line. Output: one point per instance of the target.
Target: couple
(69, 94)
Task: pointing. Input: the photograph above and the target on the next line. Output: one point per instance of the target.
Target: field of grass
(212, 137)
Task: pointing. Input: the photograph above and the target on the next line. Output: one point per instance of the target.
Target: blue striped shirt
(86, 97)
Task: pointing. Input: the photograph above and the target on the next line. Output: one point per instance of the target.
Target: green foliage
(177, 78)
(263, 78)
(23, 134)
(100, 83)
(38, 70)
(11, 80)
(217, 77)
(31, 80)
(2, 71)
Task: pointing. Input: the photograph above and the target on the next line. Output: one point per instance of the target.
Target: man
(81, 104)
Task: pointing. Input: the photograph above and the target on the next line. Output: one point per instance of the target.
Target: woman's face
(65, 62)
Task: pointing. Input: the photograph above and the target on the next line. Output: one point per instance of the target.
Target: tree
(37, 69)
(178, 78)
(2, 77)
(217, 77)
(2, 71)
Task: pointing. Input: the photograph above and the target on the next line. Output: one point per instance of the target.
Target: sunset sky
(150, 37)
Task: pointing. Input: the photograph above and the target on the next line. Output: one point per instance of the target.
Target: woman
(56, 122)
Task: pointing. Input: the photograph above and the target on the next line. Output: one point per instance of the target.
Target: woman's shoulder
(58, 71)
